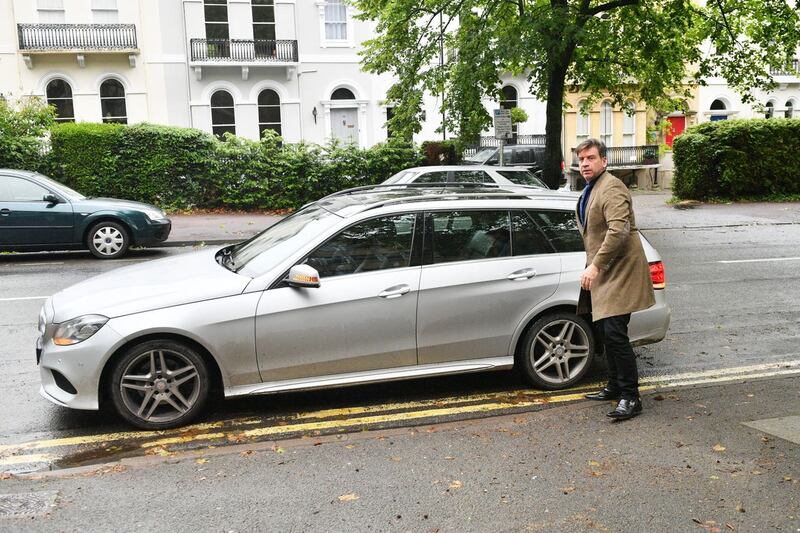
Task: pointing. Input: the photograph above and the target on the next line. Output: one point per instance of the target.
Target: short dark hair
(591, 143)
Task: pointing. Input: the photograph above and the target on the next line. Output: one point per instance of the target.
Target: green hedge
(183, 168)
(738, 158)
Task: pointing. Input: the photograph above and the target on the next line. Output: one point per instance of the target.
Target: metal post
(502, 145)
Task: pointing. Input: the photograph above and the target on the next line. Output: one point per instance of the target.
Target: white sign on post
(502, 124)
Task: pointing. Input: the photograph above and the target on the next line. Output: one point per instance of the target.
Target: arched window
(223, 118)
(112, 102)
(59, 95)
(269, 112)
(770, 110)
(508, 100)
(718, 105)
(789, 109)
(606, 123)
(343, 94)
(629, 124)
(582, 124)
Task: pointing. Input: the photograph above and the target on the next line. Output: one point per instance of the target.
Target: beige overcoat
(613, 246)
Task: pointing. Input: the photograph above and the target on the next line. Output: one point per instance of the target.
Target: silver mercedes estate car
(366, 285)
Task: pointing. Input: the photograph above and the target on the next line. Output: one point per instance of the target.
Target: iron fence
(44, 37)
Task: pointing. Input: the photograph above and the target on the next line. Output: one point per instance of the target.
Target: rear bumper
(650, 325)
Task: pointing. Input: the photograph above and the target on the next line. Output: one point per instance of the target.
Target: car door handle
(519, 275)
(395, 292)
(5, 212)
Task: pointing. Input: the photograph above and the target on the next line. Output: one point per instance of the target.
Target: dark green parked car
(38, 213)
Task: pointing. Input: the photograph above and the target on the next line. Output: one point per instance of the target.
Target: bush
(738, 158)
(182, 168)
(23, 133)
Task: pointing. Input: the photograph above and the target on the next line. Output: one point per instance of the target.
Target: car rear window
(523, 177)
(561, 229)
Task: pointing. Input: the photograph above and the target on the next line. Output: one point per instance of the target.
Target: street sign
(502, 124)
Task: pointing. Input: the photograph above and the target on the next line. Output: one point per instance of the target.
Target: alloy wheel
(560, 352)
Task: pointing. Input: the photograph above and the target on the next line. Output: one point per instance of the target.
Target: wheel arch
(92, 222)
(519, 336)
(214, 370)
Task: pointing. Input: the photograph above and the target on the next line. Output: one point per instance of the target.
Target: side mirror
(51, 199)
(303, 276)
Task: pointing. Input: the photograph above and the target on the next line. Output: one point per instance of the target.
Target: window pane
(113, 107)
(432, 177)
(216, 13)
(263, 14)
(471, 176)
(528, 237)
(64, 109)
(221, 99)
(220, 130)
(264, 31)
(112, 88)
(59, 89)
(269, 114)
(268, 97)
(274, 127)
(561, 229)
(222, 115)
(343, 94)
(376, 244)
(470, 235)
(24, 191)
(217, 31)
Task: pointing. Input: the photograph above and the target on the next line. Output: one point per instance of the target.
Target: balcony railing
(76, 37)
(627, 156)
(534, 139)
(791, 69)
(244, 50)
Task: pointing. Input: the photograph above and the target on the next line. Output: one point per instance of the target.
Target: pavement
(652, 212)
(703, 458)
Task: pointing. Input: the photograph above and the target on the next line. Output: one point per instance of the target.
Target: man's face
(590, 163)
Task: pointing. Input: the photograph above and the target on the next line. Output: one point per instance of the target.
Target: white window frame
(629, 125)
(607, 123)
(51, 11)
(349, 41)
(583, 128)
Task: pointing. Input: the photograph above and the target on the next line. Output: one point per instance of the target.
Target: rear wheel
(159, 384)
(108, 240)
(557, 351)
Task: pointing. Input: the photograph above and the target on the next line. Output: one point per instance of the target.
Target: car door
(363, 315)
(475, 289)
(29, 220)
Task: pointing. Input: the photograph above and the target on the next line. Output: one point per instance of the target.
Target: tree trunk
(553, 156)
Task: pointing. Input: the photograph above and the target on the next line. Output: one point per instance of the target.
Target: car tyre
(557, 351)
(159, 384)
(108, 240)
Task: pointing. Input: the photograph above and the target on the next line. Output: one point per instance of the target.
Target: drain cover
(26, 504)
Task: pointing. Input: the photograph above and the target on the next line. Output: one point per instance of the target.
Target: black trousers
(612, 332)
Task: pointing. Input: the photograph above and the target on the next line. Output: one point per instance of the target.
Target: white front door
(344, 124)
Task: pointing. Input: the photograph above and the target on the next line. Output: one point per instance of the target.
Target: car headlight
(78, 329)
(154, 214)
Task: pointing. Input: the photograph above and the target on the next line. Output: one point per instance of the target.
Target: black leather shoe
(603, 395)
(626, 409)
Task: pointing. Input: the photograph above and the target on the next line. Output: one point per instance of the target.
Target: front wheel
(159, 384)
(108, 240)
(557, 351)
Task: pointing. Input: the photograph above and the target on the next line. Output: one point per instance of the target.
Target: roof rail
(432, 185)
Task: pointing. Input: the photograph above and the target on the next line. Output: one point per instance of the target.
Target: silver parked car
(366, 285)
(510, 176)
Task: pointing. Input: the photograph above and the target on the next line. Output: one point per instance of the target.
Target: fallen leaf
(455, 484)
(348, 497)
(449, 458)
(764, 438)
(349, 446)
(594, 463)
(718, 448)
(730, 527)
(568, 490)
(246, 453)
(787, 478)
(658, 398)
(201, 461)
(739, 507)
(595, 473)
(395, 458)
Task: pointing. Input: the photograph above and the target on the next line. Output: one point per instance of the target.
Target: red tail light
(563, 166)
(657, 275)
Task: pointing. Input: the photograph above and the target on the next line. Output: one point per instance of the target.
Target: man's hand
(588, 276)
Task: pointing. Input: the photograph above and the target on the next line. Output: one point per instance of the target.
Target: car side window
(561, 229)
(375, 244)
(528, 237)
(471, 176)
(21, 190)
(523, 155)
(467, 235)
(432, 177)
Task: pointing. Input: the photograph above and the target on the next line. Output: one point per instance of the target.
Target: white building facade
(239, 66)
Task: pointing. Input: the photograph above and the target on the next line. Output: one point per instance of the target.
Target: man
(616, 281)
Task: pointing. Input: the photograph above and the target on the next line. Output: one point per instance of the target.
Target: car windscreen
(60, 188)
(273, 245)
(522, 178)
(481, 155)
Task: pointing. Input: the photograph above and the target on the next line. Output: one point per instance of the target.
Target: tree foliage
(23, 132)
(650, 50)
